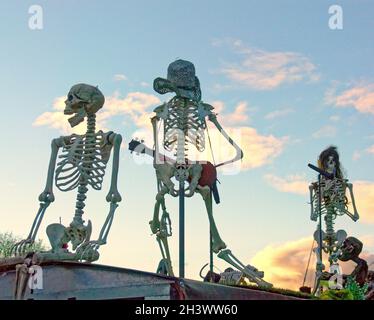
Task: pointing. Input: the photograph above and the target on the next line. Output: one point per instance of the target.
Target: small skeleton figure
(184, 123)
(350, 250)
(370, 281)
(333, 203)
(81, 165)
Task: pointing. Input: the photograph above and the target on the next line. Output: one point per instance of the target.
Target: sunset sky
(284, 85)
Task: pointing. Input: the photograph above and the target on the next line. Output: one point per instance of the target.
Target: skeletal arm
(156, 158)
(45, 198)
(47, 194)
(355, 215)
(239, 153)
(113, 195)
(312, 194)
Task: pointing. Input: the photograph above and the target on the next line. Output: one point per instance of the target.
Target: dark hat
(181, 79)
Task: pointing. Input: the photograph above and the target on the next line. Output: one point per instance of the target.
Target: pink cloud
(361, 97)
(134, 106)
(285, 264)
(364, 196)
(265, 70)
(292, 184)
(235, 118)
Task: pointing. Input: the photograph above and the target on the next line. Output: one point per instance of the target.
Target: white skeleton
(82, 164)
(184, 118)
(333, 204)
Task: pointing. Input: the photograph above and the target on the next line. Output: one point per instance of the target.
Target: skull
(330, 165)
(351, 249)
(82, 99)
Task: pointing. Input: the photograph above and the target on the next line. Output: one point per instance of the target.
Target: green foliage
(357, 291)
(343, 294)
(7, 240)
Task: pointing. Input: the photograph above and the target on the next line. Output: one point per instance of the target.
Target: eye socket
(70, 97)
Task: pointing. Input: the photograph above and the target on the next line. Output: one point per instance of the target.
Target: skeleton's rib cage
(184, 123)
(333, 196)
(83, 162)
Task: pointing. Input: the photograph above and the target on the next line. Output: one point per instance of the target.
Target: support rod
(181, 228)
(211, 263)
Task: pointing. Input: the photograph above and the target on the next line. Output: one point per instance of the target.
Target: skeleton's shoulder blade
(204, 110)
(161, 111)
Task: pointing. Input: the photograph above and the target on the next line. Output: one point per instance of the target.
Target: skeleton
(81, 165)
(333, 203)
(184, 119)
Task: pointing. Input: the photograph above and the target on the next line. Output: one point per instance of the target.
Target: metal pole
(210, 252)
(320, 216)
(181, 229)
(319, 267)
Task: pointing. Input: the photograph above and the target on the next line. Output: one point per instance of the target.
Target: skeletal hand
(20, 248)
(46, 196)
(89, 251)
(113, 196)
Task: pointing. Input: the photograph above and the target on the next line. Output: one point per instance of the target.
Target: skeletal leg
(319, 264)
(218, 245)
(89, 250)
(22, 278)
(162, 229)
(155, 222)
(195, 174)
(162, 239)
(250, 272)
(164, 173)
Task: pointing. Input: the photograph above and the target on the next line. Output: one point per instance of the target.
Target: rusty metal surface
(196, 290)
(74, 280)
(89, 281)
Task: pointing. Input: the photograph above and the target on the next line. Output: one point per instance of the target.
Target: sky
(285, 85)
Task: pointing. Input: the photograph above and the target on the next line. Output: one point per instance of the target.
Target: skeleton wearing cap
(184, 122)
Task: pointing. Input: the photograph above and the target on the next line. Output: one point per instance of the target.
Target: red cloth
(208, 175)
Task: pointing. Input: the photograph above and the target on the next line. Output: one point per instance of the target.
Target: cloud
(360, 97)
(144, 84)
(356, 155)
(120, 77)
(56, 119)
(334, 118)
(370, 149)
(278, 113)
(264, 70)
(134, 107)
(259, 149)
(137, 107)
(285, 264)
(235, 118)
(292, 184)
(327, 131)
(364, 196)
